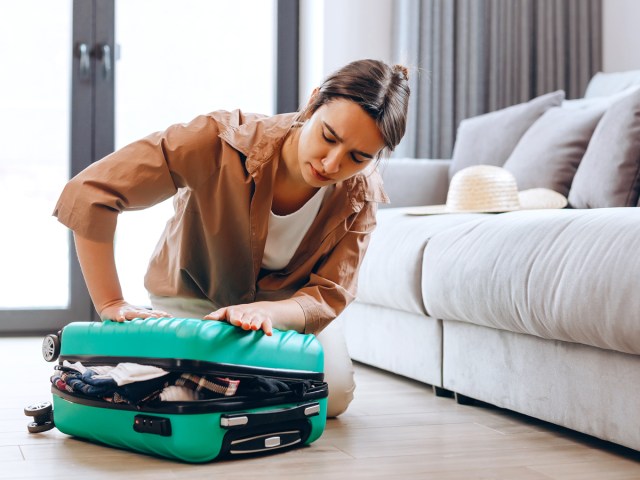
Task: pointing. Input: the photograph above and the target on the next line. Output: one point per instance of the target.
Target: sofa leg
(464, 400)
(442, 392)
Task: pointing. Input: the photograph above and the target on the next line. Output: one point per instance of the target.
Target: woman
(272, 214)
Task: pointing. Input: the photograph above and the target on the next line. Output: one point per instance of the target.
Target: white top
(286, 232)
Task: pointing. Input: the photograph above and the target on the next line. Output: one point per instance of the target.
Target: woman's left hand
(250, 316)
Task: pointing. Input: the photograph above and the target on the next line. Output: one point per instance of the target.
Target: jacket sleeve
(138, 176)
(333, 285)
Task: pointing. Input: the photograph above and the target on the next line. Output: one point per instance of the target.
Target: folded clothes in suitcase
(195, 430)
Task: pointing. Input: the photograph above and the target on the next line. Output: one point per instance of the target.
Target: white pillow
(604, 102)
(604, 84)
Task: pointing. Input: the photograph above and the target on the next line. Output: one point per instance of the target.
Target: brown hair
(381, 90)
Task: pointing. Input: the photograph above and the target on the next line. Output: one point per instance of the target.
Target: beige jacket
(221, 168)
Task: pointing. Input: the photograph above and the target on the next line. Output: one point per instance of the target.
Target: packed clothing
(135, 384)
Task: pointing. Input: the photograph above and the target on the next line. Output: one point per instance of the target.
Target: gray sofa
(534, 311)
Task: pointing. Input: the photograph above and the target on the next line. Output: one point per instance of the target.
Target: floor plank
(395, 428)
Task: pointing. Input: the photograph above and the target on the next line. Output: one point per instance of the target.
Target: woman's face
(338, 141)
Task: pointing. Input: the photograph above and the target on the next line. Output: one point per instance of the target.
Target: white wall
(621, 35)
(336, 32)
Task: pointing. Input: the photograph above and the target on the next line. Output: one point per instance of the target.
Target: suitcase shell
(202, 430)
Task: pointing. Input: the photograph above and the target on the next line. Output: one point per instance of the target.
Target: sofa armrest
(415, 181)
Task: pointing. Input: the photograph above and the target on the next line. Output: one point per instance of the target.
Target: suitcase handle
(269, 416)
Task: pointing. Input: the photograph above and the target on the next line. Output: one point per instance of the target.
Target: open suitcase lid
(193, 340)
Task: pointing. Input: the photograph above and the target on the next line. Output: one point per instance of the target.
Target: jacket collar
(258, 138)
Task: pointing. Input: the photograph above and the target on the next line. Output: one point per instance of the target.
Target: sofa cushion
(490, 138)
(568, 275)
(605, 102)
(414, 181)
(391, 273)
(548, 154)
(608, 175)
(603, 84)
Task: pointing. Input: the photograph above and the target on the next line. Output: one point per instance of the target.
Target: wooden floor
(395, 428)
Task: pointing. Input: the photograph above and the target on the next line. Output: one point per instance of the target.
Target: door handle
(103, 54)
(85, 61)
(106, 62)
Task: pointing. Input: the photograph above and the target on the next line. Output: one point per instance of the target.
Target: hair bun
(397, 68)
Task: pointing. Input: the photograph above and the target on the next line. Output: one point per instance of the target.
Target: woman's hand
(249, 316)
(99, 269)
(121, 311)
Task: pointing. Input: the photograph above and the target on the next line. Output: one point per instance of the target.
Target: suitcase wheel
(42, 414)
(38, 409)
(51, 347)
(35, 427)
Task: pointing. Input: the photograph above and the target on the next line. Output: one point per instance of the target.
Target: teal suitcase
(199, 430)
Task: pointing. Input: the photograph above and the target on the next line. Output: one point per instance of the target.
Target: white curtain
(469, 57)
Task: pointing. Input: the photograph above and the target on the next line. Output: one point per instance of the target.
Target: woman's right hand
(121, 311)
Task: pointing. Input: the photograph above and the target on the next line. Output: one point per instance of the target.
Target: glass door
(47, 100)
(70, 94)
(34, 160)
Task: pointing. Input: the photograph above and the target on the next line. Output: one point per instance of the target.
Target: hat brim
(441, 209)
(531, 199)
(541, 198)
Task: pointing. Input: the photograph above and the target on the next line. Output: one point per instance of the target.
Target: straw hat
(489, 189)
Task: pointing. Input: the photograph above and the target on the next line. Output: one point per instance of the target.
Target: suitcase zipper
(197, 366)
(317, 390)
(224, 404)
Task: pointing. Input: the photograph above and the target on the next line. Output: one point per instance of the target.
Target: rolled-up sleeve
(138, 176)
(333, 285)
